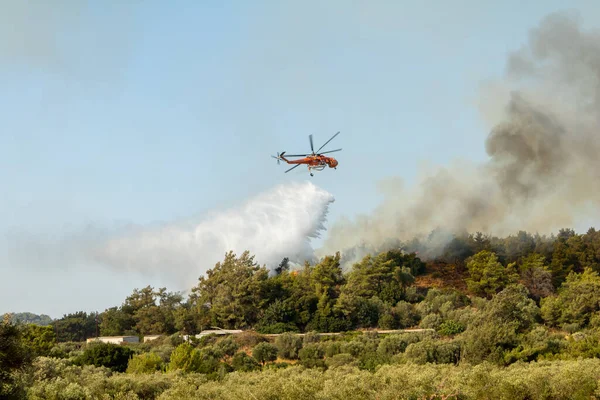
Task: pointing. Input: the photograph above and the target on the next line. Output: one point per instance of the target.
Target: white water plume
(273, 225)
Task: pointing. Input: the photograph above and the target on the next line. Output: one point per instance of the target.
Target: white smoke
(273, 225)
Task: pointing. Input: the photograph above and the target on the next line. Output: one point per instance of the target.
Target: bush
(388, 321)
(244, 363)
(144, 363)
(108, 355)
(341, 360)
(407, 314)
(311, 355)
(279, 327)
(288, 345)
(264, 352)
(227, 346)
(249, 339)
(450, 328)
(431, 321)
(396, 344)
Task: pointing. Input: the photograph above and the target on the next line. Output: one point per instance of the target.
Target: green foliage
(181, 358)
(30, 318)
(144, 363)
(39, 339)
(244, 363)
(573, 379)
(227, 346)
(15, 357)
(386, 276)
(487, 276)
(288, 346)
(431, 321)
(433, 351)
(233, 290)
(311, 355)
(576, 302)
(264, 352)
(75, 327)
(277, 318)
(507, 340)
(108, 355)
(497, 327)
(450, 328)
(407, 314)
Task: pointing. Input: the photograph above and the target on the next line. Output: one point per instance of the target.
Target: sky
(139, 113)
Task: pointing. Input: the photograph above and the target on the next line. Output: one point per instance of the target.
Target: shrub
(431, 321)
(341, 360)
(249, 339)
(278, 327)
(108, 355)
(227, 346)
(396, 344)
(450, 328)
(311, 355)
(244, 363)
(144, 363)
(264, 352)
(288, 345)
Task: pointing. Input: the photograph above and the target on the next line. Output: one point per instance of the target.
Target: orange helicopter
(314, 161)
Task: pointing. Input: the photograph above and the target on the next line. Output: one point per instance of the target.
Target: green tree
(564, 256)
(264, 352)
(384, 276)
(144, 363)
(153, 311)
(244, 363)
(288, 345)
(31, 318)
(233, 290)
(181, 358)
(576, 302)
(75, 327)
(39, 339)
(536, 276)
(110, 355)
(496, 329)
(327, 277)
(114, 321)
(487, 276)
(15, 357)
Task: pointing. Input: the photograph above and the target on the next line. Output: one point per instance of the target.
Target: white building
(115, 339)
(151, 337)
(214, 332)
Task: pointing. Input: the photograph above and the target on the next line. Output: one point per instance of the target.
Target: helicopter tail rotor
(279, 157)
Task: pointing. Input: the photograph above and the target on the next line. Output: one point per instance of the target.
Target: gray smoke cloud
(543, 168)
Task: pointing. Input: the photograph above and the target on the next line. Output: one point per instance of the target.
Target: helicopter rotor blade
(311, 144)
(330, 151)
(297, 165)
(329, 141)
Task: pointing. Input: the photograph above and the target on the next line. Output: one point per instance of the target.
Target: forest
(505, 318)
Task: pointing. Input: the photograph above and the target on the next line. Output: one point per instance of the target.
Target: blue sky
(145, 113)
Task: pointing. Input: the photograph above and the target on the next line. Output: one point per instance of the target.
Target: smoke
(273, 225)
(67, 38)
(543, 168)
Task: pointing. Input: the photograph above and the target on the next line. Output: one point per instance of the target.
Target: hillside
(524, 304)
(383, 291)
(31, 318)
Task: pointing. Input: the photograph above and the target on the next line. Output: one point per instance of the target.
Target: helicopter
(314, 161)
